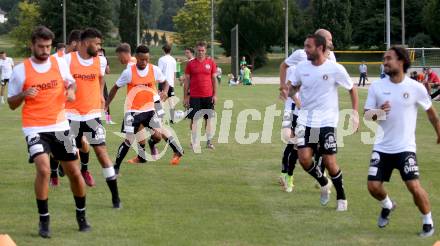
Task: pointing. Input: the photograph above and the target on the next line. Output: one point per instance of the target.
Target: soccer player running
(6, 65)
(140, 80)
(42, 83)
(319, 79)
(392, 102)
(84, 113)
(200, 94)
(74, 40)
(167, 65)
(289, 157)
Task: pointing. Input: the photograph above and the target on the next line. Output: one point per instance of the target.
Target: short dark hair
(123, 47)
(319, 41)
(90, 33)
(102, 50)
(201, 44)
(60, 46)
(2, 52)
(190, 49)
(166, 48)
(42, 32)
(142, 49)
(74, 36)
(402, 55)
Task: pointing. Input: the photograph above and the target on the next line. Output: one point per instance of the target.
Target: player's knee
(374, 187)
(156, 137)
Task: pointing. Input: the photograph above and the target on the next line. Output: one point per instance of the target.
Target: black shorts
(133, 121)
(170, 90)
(382, 165)
(324, 138)
(60, 144)
(4, 81)
(91, 129)
(201, 106)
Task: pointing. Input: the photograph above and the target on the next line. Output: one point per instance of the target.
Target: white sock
(427, 219)
(386, 203)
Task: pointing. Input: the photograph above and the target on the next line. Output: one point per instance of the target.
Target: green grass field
(229, 196)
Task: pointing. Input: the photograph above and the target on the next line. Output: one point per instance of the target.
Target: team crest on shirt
(406, 95)
(325, 77)
(207, 66)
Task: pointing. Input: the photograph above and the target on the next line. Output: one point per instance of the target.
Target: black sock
(177, 149)
(43, 210)
(53, 167)
(316, 173)
(141, 152)
(293, 157)
(319, 161)
(80, 203)
(285, 159)
(113, 186)
(339, 186)
(152, 142)
(84, 157)
(122, 152)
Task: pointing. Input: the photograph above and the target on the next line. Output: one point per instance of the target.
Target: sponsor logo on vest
(88, 77)
(46, 86)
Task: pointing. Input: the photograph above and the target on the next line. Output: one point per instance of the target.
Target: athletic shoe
(116, 203)
(325, 193)
(110, 122)
(176, 159)
(54, 182)
(60, 171)
(282, 180)
(43, 229)
(82, 222)
(427, 230)
(342, 205)
(289, 182)
(384, 217)
(209, 145)
(136, 160)
(88, 178)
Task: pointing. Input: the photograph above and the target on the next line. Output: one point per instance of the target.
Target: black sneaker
(384, 217)
(82, 222)
(43, 229)
(116, 203)
(427, 230)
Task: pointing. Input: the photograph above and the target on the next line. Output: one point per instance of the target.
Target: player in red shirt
(200, 93)
(433, 81)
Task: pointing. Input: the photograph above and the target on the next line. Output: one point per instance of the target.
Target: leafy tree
(260, 26)
(127, 19)
(420, 40)
(431, 19)
(28, 19)
(333, 15)
(192, 22)
(79, 15)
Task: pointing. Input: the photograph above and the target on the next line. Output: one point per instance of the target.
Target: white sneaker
(325, 193)
(342, 205)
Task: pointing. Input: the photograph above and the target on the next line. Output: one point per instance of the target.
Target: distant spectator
(414, 75)
(219, 75)
(432, 82)
(246, 78)
(363, 71)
